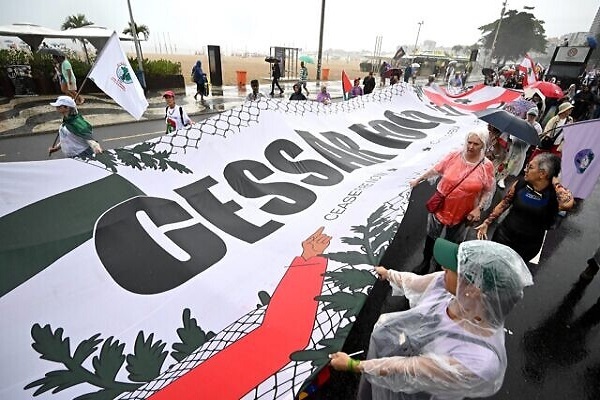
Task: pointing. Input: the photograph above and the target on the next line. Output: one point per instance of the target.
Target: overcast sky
(255, 25)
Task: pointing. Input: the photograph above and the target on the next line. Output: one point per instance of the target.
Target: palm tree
(77, 21)
(139, 29)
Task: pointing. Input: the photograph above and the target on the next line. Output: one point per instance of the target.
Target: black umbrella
(506, 122)
(51, 50)
(487, 71)
(271, 59)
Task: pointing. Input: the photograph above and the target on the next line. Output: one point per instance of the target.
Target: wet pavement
(552, 335)
(32, 115)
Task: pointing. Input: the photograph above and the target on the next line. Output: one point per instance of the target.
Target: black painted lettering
(342, 151)
(133, 257)
(223, 215)
(299, 197)
(327, 175)
(416, 118)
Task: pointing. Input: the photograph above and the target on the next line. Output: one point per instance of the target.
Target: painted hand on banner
(315, 244)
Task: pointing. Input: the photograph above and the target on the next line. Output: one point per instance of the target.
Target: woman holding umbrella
(276, 74)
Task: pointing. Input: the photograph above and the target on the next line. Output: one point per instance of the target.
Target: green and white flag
(113, 74)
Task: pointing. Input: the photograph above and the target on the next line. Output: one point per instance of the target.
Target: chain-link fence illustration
(288, 380)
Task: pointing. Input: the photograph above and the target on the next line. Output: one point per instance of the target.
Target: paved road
(35, 148)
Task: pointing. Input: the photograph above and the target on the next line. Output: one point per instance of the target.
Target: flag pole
(81, 88)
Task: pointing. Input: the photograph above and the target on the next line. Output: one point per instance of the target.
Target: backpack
(180, 114)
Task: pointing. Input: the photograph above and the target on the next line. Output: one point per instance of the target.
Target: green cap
(446, 254)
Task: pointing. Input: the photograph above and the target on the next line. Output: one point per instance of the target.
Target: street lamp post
(320, 54)
(138, 49)
(497, 30)
(417, 40)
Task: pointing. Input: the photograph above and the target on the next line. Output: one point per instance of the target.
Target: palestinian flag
(346, 84)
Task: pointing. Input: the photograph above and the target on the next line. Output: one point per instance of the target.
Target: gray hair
(550, 163)
(483, 135)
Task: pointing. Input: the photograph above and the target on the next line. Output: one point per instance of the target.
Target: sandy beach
(257, 68)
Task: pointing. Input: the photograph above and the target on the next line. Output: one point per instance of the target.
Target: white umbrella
(451, 62)
(415, 65)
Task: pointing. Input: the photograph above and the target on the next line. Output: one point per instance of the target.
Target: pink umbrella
(548, 89)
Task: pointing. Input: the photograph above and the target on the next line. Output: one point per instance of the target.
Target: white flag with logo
(113, 74)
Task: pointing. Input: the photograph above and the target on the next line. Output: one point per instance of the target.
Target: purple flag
(581, 157)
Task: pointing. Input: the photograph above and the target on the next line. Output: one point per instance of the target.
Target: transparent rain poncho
(422, 353)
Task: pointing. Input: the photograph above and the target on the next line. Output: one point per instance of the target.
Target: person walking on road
(303, 76)
(276, 74)
(75, 133)
(199, 78)
(68, 82)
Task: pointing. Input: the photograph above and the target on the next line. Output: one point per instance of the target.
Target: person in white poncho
(450, 343)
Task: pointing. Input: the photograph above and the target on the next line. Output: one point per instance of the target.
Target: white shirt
(173, 119)
(71, 144)
(252, 97)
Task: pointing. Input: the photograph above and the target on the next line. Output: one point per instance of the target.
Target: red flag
(527, 67)
(346, 84)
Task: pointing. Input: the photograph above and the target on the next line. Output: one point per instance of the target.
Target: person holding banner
(324, 96)
(175, 116)
(75, 132)
(534, 201)
(466, 188)
(450, 343)
(356, 89)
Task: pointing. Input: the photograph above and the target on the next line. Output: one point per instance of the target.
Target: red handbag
(436, 201)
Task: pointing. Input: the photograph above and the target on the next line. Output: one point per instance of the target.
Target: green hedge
(157, 67)
(41, 64)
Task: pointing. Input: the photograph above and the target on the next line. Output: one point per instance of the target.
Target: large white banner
(224, 261)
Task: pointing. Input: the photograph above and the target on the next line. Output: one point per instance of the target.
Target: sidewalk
(33, 115)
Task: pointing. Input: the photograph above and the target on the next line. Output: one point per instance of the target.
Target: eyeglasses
(530, 167)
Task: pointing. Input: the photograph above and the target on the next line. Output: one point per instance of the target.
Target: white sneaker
(501, 184)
